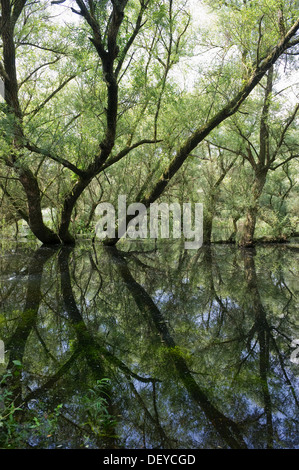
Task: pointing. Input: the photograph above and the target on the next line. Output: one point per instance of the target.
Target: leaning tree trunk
(35, 218)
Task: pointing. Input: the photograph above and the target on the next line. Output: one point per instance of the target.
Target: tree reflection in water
(142, 348)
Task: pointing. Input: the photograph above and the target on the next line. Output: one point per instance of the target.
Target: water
(149, 347)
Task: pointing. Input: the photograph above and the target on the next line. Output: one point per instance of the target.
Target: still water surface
(136, 347)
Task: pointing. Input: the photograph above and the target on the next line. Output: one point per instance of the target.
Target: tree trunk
(247, 238)
(232, 238)
(207, 229)
(69, 203)
(208, 226)
(35, 220)
(249, 227)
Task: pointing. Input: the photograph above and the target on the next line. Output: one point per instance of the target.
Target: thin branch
(248, 141)
(43, 48)
(259, 39)
(129, 43)
(284, 162)
(42, 105)
(222, 147)
(37, 69)
(223, 175)
(283, 134)
(13, 202)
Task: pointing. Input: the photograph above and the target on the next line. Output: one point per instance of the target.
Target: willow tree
(264, 137)
(124, 71)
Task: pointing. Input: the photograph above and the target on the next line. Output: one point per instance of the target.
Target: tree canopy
(150, 99)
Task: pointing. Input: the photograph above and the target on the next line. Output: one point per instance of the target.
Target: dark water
(142, 348)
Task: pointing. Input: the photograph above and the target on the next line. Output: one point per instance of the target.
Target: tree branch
(236, 152)
(264, 128)
(13, 202)
(43, 48)
(127, 150)
(129, 43)
(284, 162)
(17, 10)
(284, 131)
(42, 105)
(37, 69)
(56, 158)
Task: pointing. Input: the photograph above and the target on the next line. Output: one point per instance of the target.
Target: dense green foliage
(158, 100)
